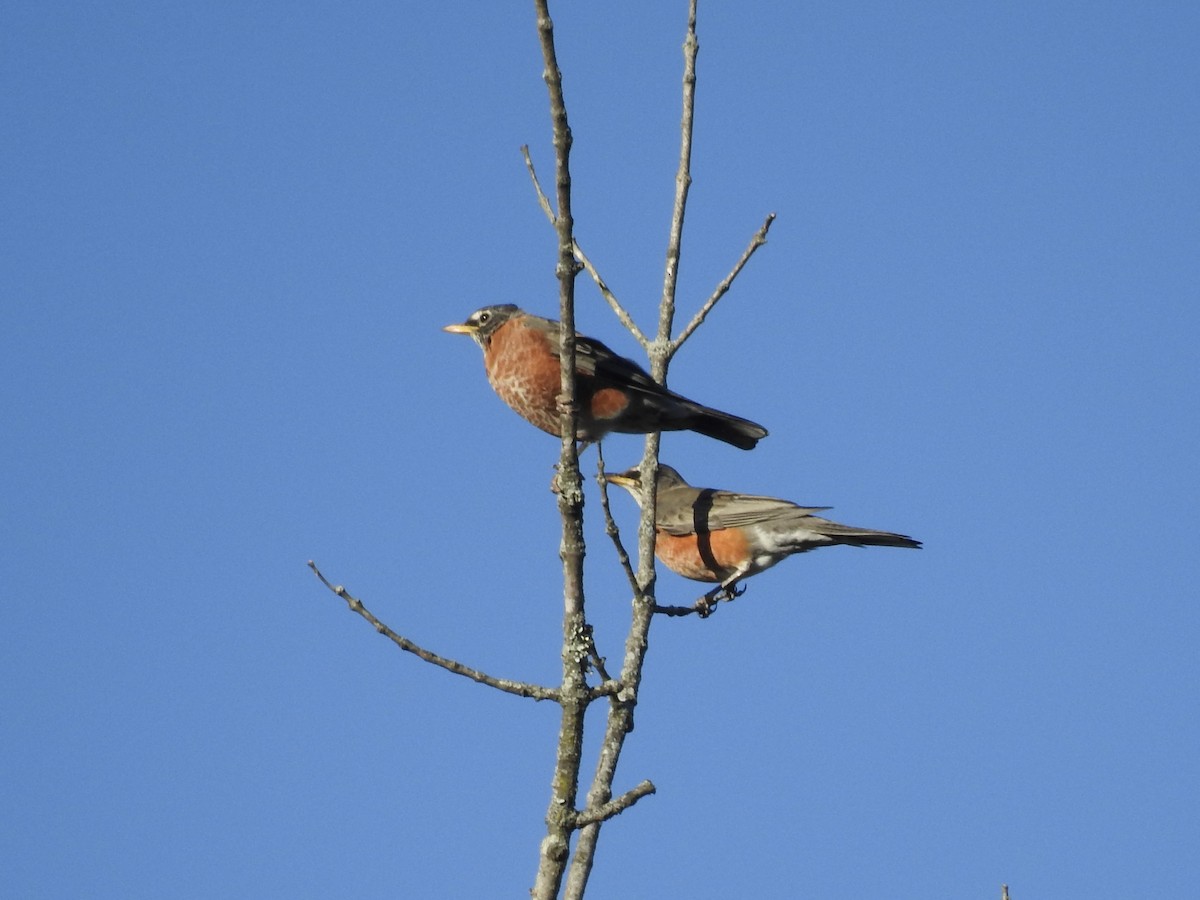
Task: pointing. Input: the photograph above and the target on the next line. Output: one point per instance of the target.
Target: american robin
(724, 537)
(521, 356)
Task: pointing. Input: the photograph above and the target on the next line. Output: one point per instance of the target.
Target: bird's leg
(729, 589)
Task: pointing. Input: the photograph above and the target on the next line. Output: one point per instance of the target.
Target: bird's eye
(484, 316)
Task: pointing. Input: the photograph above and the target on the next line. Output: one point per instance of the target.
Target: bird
(521, 357)
(724, 537)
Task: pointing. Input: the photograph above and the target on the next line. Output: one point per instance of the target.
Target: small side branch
(594, 656)
(705, 605)
(609, 297)
(607, 688)
(614, 807)
(610, 527)
(702, 607)
(520, 688)
(680, 611)
(760, 238)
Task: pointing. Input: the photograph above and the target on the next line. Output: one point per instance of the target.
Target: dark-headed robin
(521, 356)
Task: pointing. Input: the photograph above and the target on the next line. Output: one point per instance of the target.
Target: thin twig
(683, 181)
(614, 807)
(610, 527)
(543, 200)
(594, 655)
(608, 295)
(520, 688)
(609, 688)
(704, 606)
(760, 238)
(680, 611)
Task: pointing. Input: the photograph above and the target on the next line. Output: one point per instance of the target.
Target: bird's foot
(707, 604)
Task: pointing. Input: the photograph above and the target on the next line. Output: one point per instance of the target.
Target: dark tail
(713, 423)
(862, 537)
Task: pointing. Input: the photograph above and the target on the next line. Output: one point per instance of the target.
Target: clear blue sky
(231, 235)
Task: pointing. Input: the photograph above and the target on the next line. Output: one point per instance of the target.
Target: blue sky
(232, 235)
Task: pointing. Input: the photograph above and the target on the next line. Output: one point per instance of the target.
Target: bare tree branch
(543, 200)
(620, 718)
(706, 605)
(608, 295)
(520, 688)
(679, 611)
(610, 527)
(618, 726)
(574, 693)
(703, 607)
(757, 241)
(609, 688)
(683, 181)
(614, 807)
(579, 651)
(597, 661)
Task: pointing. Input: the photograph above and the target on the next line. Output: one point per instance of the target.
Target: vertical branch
(683, 181)
(620, 723)
(620, 718)
(560, 817)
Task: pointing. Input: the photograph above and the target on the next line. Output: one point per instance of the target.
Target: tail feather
(864, 537)
(713, 423)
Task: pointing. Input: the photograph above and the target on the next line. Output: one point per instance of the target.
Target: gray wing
(711, 510)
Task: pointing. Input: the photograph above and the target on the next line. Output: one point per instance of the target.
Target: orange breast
(709, 556)
(523, 370)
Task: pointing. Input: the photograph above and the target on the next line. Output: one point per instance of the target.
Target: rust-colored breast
(523, 370)
(708, 556)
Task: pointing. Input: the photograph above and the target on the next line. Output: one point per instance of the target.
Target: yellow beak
(622, 480)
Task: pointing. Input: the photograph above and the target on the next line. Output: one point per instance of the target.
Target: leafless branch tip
(609, 297)
(519, 688)
(760, 238)
(614, 807)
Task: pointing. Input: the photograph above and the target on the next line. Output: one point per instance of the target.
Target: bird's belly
(711, 556)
